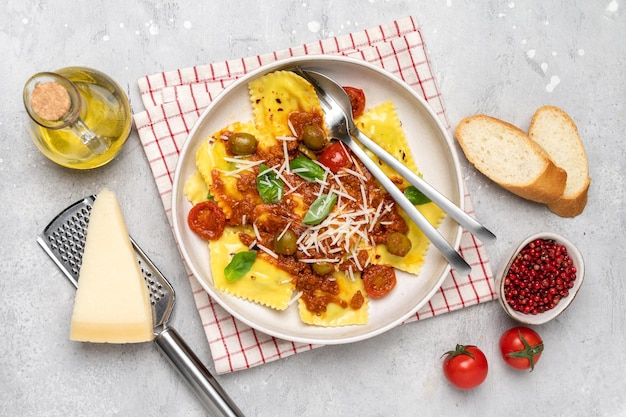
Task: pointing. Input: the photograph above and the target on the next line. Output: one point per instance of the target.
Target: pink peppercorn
(541, 275)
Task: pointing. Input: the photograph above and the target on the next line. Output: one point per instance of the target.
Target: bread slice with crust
(506, 155)
(557, 134)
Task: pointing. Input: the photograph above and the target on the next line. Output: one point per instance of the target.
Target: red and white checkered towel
(174, 100)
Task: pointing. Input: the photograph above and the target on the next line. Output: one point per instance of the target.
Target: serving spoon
(338, 117)
(342, 100)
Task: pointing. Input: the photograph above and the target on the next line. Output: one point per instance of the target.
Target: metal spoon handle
(442, 201)
(448, 252)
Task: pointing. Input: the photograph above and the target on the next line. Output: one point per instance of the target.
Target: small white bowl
(546, 316)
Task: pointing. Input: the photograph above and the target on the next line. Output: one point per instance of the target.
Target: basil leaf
(320, 209)
(269, 186)
(239, 265)
(415, 196)
(307, 169)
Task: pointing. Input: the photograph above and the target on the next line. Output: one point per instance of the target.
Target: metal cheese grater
(64, 240)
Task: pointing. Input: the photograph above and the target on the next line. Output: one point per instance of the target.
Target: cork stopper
(50, 101)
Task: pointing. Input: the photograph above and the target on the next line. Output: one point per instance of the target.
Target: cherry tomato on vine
(335, 157)
(521, 347)
(207, 220)
(465, 367)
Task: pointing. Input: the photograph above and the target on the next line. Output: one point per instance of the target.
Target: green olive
(398, 244)
(323, 268)
(241, 143)
(287, 243)
(314, 137)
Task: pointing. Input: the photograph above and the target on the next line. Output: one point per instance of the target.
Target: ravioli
(336, 315)
(275, 95)
(195, 188)
(229, 182)
(382, 125)
(212, 160)
(264, 283)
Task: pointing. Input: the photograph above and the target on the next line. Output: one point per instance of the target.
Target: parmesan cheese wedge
(112, 303)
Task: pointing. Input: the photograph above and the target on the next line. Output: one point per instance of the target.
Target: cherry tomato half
(378, 280)
(207, 220)
(465, 367)
(335, 156)
(357, 99)
(521, 347)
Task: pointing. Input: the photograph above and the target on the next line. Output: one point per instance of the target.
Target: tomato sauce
(300, 119)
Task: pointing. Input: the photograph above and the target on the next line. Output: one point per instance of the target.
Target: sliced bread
(557, 134)
(506, 155)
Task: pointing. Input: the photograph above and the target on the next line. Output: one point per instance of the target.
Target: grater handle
(195, 373)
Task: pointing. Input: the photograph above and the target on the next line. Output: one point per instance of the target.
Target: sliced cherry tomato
(465, 367)
(378, 280)
(521, 347)
(357, 99)
(207, 220)
(335, 156)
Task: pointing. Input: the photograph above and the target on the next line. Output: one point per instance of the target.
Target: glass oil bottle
(79, 117)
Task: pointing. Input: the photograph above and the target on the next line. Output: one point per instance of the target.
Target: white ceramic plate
(435, 156)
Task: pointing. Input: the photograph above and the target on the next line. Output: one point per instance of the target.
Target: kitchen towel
(174, 100)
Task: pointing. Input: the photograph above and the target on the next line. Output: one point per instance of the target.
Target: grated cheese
(256, 231)
(267, 250)
(351, 273)
(284, 231)
(356, 261)
(377, 215)
(241, 165)
(295, 298)
(291, 127)
(286, 155)
(343, 194)
(316, 260)
(279, 173)
(286, 138)
(359, 175)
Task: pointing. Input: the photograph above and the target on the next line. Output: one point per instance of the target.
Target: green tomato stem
(459, 350)
(529, 352)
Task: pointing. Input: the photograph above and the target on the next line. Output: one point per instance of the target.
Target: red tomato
(335, 156)
(521, 347)
(465, 367)
(357, 99)
(207, 220)
(378, 280)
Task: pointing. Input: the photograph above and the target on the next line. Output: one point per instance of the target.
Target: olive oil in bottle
(79, 117)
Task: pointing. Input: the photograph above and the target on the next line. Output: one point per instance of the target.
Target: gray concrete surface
(503, 58)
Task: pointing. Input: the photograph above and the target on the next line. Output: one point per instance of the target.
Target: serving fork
(338, 114)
